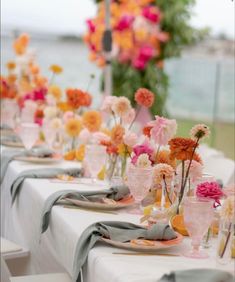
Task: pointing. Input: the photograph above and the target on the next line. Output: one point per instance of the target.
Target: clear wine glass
(95, 157)
(198, 215)
(139, 181)
(49, 134)
(29, 133)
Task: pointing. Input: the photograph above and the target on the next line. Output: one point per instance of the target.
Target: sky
(68, 16)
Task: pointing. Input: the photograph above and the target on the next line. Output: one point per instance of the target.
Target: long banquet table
(54, 250)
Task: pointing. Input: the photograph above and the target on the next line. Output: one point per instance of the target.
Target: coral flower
(64, 106)
(77, 98)
(92, 120)
(121, 106)
(164, 157)
(163, 130)
(117, 134)
(182, 148)
(210, 190)
(163, 171)
(200, 131)
(11, 65)
(147, 130)
(144, 97)
(73, 127)
(56, 69)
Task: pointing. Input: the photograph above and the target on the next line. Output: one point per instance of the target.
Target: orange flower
(55, 91)
(11, 78)
(73, 127)
(78, 98)
(147, 130)
(56, 69)
(117, 134)
(21, 43)
(92, 120)
(182, 148)
(11, 65)
(64, 106)
(34, 69)
(144, 97)
(164, 157)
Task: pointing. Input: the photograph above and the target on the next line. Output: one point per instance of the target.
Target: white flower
(56, 123)
(143, 161)
(121, 106)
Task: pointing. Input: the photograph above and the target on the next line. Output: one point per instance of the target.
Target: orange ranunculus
(73, 127)
(64, 106)
(77, 98)
(144, 97)
(164, 157)
(56, 69)
(182, 148)
(117, 134)
(92, 120)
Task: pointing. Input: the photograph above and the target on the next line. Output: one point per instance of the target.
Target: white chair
(10, 250)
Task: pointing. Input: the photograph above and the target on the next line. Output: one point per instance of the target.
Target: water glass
(29, 133)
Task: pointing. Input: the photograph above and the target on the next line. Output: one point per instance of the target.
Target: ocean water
(200, 88)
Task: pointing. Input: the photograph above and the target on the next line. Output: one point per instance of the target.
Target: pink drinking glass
(198, 216)
(139, 181)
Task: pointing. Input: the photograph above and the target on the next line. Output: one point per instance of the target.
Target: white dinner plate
(12, 144)
(38, 160)
(145, 245)
(124, 203)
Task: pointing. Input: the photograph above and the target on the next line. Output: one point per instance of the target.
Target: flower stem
(136, 115)
(227, 240)
(167, 193)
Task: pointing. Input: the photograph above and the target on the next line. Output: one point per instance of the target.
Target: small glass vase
(224, 243)
(116, 167)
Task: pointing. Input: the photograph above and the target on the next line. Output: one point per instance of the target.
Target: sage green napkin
(11, 138)
(6, 157)
(41, 173)
(197, 275)
(117, 231)
(40, 153)
(116, 193)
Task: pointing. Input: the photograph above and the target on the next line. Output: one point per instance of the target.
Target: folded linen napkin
(117, 231)
(116, 193)
(11, 138)
(6, 157)
(41, 173)
(196, 275)
(40, 153)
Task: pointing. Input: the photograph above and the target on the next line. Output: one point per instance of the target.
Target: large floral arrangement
(145, 33)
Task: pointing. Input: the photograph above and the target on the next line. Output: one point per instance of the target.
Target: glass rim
(29, 124)
(136, 168)
(198, 200)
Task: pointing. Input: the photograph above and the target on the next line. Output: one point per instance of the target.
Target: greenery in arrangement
(145, 33)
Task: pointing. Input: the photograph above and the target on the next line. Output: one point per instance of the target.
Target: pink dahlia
(210, 190)
(142, 149)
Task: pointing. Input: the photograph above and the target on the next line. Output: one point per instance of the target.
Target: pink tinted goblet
(139, 181)
(29, 133)
(198, 215)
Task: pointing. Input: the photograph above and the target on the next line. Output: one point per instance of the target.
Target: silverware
(89, 209)
(144, 254)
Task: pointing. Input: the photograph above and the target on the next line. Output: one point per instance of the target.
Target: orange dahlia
(144, 97)
(182, 148)
(92, 120)
(164, 157)
(117, 134)
(78, 98)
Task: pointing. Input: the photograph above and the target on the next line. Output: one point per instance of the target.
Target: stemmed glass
(28, 133)
(198, 215)
(50, 135)
(139, 181)
(95, 157)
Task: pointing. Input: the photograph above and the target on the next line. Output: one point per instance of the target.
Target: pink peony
(195, 171)
(210, 190)
(152, 14)
(163, 130)
(124, 23)
(130, 139)
(142, 149)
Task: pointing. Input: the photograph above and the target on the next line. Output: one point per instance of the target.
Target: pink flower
(68, 115)
(195, 171)
(146, 53)
(85, 136)
(129, 117)
(108, 103)
(163, 171)
(130, 139)
(97, 137)
(39, 94)
(91, 26)
(210, 190)
(121, 106)
(152, 14)
(139, 63)
(142, 149)
(124, 23)
(163, 130)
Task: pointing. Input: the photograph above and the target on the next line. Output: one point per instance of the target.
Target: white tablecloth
(20, 223)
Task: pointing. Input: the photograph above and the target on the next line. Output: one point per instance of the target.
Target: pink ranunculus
(163, 130)
(210, 190)
(124, 23)
(85, 136)
(68, 115)
(97, 137)
(108, 103)
(129, 117)
(146, 53)
(91, 26)
(142, 149)
(152, 14)
(130, 138)
(139, 63)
